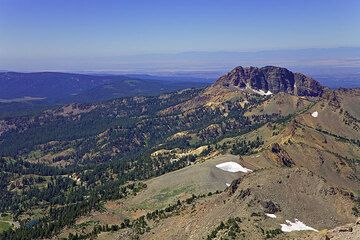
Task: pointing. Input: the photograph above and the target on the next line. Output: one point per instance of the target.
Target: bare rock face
(273, 79)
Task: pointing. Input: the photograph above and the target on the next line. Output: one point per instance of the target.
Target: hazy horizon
(344, 59)
(176, 35)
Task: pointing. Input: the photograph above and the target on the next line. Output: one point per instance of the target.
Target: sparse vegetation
(273, 232)
(228, 230)
(246, 147)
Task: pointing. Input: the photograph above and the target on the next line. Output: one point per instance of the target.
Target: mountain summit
(244, 82)
(270, 79)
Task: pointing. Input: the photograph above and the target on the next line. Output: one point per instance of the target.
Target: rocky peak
(270, 79)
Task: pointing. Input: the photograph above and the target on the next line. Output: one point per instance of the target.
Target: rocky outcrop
(270, 207)
(233, 186)
(270, 78)
(281, 156)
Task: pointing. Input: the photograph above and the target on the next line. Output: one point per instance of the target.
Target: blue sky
(48, 29)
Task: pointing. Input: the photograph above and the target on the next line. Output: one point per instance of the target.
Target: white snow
(227, 184)
(296, 226)
(315, 114)
(262, 93)
(232, 167)
(270, 215)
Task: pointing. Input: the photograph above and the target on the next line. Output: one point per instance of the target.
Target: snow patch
(262, 93)
(232, 167)
(270, 215)
(296, 226)
(315, 114)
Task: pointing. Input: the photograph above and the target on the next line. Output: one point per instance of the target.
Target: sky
(46, 33)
